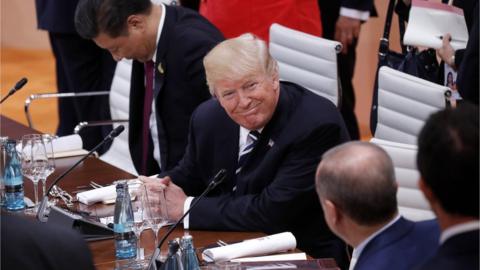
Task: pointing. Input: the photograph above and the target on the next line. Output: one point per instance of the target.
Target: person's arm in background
(352, 15)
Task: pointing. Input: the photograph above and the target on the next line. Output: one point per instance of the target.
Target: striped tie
(252, 140)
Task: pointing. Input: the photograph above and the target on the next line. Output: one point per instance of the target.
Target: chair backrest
(306, 60)
(118, 154)
(404, 104)
(411, 201)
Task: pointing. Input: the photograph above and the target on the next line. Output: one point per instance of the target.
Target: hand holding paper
(430, 21)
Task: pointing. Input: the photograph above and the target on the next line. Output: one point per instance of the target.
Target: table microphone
(217, 179)
(17, 87)
(43, 205)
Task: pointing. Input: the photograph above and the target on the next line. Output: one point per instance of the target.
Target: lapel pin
(160, 68)
(270, 143)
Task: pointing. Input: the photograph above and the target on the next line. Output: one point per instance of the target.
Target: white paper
(275, 243)
(429, 21)
(65, 146)
(274, 258)
(106, 194)
(66, 143)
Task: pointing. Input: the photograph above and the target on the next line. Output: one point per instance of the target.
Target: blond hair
(236, 58)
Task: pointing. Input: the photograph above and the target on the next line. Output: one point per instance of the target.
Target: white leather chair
(404, 104)
(411, 201)
(307, 60)
(118, 154)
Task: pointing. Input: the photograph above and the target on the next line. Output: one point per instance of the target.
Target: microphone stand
(217, 179)
(43, 205)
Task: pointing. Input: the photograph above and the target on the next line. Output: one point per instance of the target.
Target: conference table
(94, 169)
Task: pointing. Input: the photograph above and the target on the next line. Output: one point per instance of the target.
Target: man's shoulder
(209, 112)
(311, 107)
(185, 21)
(424, 233)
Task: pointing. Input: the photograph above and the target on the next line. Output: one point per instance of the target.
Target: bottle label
(13, 189)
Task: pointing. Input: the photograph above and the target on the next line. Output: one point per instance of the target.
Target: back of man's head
(358, 177)
(448, 159)
(107, 16)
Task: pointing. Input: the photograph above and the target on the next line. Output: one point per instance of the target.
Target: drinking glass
(50, 168)
(34, 162)
(157, 215)
(139, 207)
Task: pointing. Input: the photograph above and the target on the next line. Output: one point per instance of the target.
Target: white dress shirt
(153, 118)
(354, 13)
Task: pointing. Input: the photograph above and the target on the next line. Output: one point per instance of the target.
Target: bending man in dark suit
(357, 190)
(448, 162)
(269, 136)
(167, 45)
(28, 244)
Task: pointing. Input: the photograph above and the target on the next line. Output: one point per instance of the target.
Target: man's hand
(174, 195)
(175, 198)
(346, 30)
(446, 52)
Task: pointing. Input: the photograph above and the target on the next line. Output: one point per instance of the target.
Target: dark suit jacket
(400, 247)
(56, 15)
(467, 80)
(185, 39)
(28, 244)
(458, 252)
(275, 191)
(330, 11)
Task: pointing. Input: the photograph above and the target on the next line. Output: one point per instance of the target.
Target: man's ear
(427, 191)
(276, 80)
(136, 23)
(332, 212)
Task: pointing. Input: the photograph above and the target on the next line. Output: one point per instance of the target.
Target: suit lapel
(137, 92)
(160, 61)
(160, 74)
(228, 139)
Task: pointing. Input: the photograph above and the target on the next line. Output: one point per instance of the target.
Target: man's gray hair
(358, 177)
(236, 58)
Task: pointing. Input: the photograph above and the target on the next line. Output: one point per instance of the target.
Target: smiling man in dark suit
(167, 45)
(269, 136)
(448, 162)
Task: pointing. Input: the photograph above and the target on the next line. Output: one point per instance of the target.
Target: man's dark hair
(107, 16)
(448, 159)
(359, 178)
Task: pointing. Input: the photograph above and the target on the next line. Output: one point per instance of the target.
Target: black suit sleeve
(289, 195)
(363, 5)
(195, 47)
(186, 174)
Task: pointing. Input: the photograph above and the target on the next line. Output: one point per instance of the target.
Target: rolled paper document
(106, 194)
(65, 146)
(271, 244)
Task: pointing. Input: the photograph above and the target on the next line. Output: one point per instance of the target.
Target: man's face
(133, 45)
(250, 101)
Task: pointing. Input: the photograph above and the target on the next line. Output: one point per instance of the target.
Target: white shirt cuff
(186, 206)
(354, 13)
